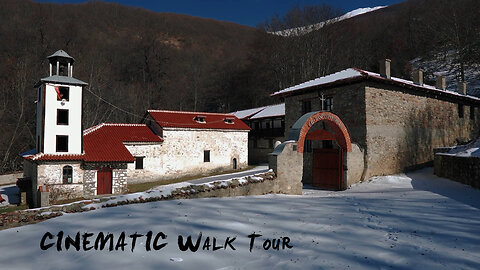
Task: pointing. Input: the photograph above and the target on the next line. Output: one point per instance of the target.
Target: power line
(113, 105)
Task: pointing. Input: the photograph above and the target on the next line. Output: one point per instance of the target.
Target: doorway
(104, 181)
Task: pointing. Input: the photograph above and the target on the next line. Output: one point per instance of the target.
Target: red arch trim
(333, 121)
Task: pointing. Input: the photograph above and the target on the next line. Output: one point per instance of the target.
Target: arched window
(67, 174)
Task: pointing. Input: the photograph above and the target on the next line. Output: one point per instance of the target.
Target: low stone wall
(9, 179)
(256, 185)
(465, 170)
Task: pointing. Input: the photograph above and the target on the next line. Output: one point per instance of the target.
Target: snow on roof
(471, 149)
(351, 74)
(181, 119)
(247, 113)
(341, 75)
(270, 111)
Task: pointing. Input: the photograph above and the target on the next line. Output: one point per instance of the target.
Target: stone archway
(300, 129)
(323, 167)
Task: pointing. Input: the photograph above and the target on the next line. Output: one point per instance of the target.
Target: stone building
(268, 127)
(68, 162)
(355, 124)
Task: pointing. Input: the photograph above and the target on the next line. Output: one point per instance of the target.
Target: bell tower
(59, 108)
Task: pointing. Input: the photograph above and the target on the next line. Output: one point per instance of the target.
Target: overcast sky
(247, 12)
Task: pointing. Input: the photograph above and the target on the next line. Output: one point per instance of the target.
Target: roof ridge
(92, 129)
(188, 112)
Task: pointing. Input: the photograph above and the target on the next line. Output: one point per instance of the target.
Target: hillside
(134, 59)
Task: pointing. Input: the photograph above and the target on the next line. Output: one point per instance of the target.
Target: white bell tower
(59, 108)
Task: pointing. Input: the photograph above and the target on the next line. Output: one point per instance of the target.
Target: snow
(471, 149)
(405, 221)
(247, 113)
(309, 28)
(270, 111)
(341, 75)
(443, 64)
(352, 73)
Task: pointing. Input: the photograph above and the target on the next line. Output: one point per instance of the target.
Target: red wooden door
(104, 181)
(327, 168)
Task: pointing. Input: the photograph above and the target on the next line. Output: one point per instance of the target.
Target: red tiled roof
(178, 119)
(104, 143)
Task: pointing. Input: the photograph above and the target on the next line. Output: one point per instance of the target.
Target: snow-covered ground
(412, 221)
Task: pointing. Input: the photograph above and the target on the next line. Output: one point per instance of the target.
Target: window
(138, 163)
(255, 143)
(257, 126)
(62, 143)
(306, 106)
(229, 120)
(472, 112)
(62, 117)
(206, 156)
(63, 69)
(460, 110)
(199, 119)
(328, 105)
(270, 143)
(63, 93)
(327, 144)
(67, 175)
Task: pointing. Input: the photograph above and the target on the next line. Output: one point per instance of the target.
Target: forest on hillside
(134, 59)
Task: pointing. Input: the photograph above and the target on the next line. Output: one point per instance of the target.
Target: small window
(472, 112)
(460, 110)
(229, 120)
(257, 126)
(267, 125)
(62, 143)
(306, 106)
(270, 143)
(63, 69)
(67, 175)
(62, 117)
(63, 93)
(328, 106)
(200, 119)
(255, 143)
(206, 156)
(138, 163)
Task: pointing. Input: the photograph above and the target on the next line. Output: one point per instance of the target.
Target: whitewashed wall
(74, 127)
(182, 153)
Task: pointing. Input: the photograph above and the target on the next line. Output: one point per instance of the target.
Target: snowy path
(256, 170)
(413, 221)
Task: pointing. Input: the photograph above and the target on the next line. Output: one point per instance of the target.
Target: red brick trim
(334, 122)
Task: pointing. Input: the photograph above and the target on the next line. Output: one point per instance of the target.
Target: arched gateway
(328, 163)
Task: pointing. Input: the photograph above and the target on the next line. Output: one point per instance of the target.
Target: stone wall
(355, 165)
(119, 181)
(287, 164)
(182, 154)
(51, 175)
(403, 128)
(89, 183)
(349, 105)
(465, 170)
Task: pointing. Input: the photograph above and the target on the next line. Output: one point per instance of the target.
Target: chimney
(441, 82)
(462, 88)
(385, 68)
(418, 76)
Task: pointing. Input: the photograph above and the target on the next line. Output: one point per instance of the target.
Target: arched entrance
(326, 165)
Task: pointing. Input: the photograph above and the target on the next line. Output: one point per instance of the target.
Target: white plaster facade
(182, 153)
(47, 103)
